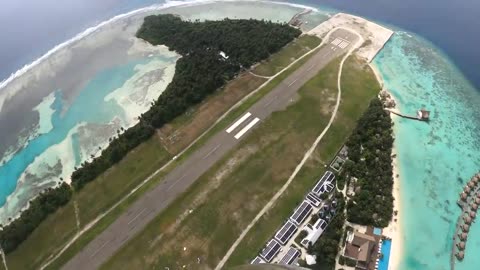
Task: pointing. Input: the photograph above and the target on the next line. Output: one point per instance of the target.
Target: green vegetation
(359, 85)
(369, 149)
(292, 51)
(231, 193)
(45, 204)
(199, 72)
(91, 201)
(326, 248)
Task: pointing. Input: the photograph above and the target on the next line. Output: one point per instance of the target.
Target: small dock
(422, 115)
(469, 202)
(295, 20)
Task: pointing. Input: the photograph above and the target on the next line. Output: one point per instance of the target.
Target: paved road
(181, 178)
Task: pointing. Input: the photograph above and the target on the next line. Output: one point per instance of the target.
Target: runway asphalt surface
(147, 207)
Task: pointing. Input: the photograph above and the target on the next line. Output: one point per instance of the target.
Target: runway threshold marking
(211, 151)
(98, 249)
(239, 121)
(246, 128)
(292, 82)
(135, 217)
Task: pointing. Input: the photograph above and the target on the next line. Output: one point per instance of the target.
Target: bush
(350, 262)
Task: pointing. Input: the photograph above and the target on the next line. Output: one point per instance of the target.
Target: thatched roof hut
(463, 236)
(473, 214)
(467, 219)
(477, 200)
(461, 245)
(478, 195)
(465, 227)
(471, 184)
(464, 196)
(475, 179)
(460, 255)
(467, 189)
(474, 206)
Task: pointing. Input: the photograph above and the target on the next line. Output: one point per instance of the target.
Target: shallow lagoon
(435, 159)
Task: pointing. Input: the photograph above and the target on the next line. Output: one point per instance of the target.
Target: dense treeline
(327, 246)
(199, 72)
(369, 150)
(39, 208)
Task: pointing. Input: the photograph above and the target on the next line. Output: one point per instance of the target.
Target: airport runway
(146, 208)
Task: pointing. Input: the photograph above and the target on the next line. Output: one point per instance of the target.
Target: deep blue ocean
(30, 28)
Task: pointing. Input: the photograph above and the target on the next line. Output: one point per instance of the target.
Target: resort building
(314, 232)
(361, 248)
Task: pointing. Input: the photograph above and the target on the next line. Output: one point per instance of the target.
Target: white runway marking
(211, 152)
(98, 250)
(174, 183)
(310, 67)
(343, 45)
(135, 217)
(336, 41)
(239, 121)
(246, 128)
(292, 82)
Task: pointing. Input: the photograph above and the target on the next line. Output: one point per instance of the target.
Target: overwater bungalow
(463, 196)
(460, 255)
(473, 214)
(478, 195)
(465, 227)
(475, 179)
(467, 219)
(463, 236)
(423, 114)
(461, 245)
(471, 184)
(477, 200)
(467, 189)
(474, 206)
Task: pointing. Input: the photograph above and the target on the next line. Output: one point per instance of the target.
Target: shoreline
(393, 230)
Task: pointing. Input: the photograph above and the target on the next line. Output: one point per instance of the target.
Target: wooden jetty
(469, 201)
(422, 115)
(295, 20)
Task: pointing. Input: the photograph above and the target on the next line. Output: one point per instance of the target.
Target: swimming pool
(377, 231)
(383, 264)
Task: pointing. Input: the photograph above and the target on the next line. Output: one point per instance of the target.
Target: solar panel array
(313, 199)
(271, 250)
(257, 260)
(286, 232)
(328, 176)
(301, 212)
(290, 256)
(321, 224)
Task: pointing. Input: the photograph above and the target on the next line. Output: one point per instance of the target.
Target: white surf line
(135, 217)
(92, 223)
(305, 157)
(98, 249)
(211, 152)
(239, 121)
(293, 82)
(246, 128)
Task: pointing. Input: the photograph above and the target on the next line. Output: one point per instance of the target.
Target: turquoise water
(383, 263)
(377, 231)
(435, 158)
(88, 107)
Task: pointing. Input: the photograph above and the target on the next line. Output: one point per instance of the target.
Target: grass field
(229, 195)
(105, 191)
(359, 86)
(291, 52)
